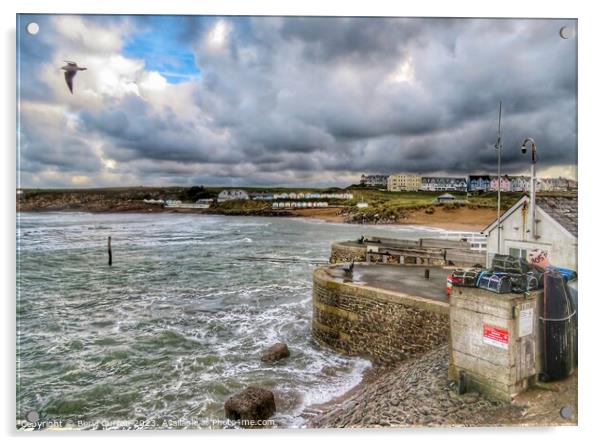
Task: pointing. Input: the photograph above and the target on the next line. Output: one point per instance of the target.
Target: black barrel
(558, 329)
(573, 294)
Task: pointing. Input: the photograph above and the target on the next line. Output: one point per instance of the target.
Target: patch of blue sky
(163, 48)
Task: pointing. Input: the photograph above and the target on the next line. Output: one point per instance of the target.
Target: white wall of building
(560, 246)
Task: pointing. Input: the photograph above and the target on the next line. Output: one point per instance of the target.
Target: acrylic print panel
(252, 222)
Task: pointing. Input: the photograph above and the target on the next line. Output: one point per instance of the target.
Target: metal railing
(477, 241)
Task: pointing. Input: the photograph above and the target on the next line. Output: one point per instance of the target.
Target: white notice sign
(525, 322)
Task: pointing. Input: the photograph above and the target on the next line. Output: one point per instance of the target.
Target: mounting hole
(32, 28)
(32, 416)
(567, 32)
(566, 412)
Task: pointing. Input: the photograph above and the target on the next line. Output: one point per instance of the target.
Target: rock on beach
(251, 404)
(275, 352)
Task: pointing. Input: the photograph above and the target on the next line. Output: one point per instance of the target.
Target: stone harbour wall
(490, 368)
(347, 251)
(381, 325)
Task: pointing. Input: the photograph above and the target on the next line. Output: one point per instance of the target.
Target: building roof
(483, 177)
(562, 208)
(446, 196)
(443, 178)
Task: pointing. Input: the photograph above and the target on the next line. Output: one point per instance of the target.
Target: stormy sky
(289, 101)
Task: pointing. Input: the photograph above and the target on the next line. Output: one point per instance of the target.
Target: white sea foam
(188, 307)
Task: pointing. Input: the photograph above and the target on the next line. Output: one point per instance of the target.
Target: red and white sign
(495, 337)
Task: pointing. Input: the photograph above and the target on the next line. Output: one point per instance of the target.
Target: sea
(178, 323)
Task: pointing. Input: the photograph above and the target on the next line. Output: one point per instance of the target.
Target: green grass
(383, 203)
(238, 206)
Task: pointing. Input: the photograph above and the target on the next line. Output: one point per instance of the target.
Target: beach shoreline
(457, 219)
(417, 393)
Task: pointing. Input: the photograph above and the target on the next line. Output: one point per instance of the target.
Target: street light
(534, 159)
(498, 147)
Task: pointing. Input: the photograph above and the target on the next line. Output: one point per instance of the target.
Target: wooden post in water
(110, 252)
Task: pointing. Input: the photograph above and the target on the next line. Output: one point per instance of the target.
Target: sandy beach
(462, 218)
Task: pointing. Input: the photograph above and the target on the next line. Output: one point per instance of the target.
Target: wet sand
(462, 218)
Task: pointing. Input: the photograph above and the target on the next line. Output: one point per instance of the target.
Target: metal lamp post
(532, 198)
(498, 147)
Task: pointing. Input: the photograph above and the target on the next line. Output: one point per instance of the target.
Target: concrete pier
(383, 312)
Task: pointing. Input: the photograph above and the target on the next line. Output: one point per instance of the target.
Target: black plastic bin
(558, 324)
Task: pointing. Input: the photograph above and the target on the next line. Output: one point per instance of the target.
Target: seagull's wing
(69, 75)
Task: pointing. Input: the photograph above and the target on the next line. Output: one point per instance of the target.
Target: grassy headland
(475, 211)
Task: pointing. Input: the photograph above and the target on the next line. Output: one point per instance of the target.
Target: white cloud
(404, 72)
(80, 180)
(216, 40)
(77, 32)
(152, 81)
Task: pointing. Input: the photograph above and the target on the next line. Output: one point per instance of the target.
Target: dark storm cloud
(46, 142)
(132, 131)
(462, 68)
(281, 100)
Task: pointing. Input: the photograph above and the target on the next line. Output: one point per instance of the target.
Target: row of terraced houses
(472, 183)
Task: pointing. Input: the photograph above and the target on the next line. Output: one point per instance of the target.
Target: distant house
(554, 241)
(154, 201)
(261, 196)
(204, 201)
(374, 180)
(505, 183)
(445, 198)
(229, 195)
(443, 184)
(479, 183)
(298, 204)
(520, 183)
(554, 184)
(404, 182)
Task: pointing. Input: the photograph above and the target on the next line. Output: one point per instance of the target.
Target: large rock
(251, 404)
(275, 353)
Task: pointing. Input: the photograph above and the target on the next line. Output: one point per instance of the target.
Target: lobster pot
(465, 278)
(509, 264)
(525, 282)
(537, 272)
(500, 284)
(558, 328)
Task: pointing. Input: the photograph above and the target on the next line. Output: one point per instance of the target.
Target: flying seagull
(71, 70)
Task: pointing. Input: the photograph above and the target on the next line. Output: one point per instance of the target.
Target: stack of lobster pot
(500, 283)
(507, 274)
(511, 274)
(465, 278)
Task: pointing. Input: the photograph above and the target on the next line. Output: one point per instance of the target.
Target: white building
(229, 195)
(520, 183)
(555, 240)
(401, 182)
(443, 184)
(445, 198)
